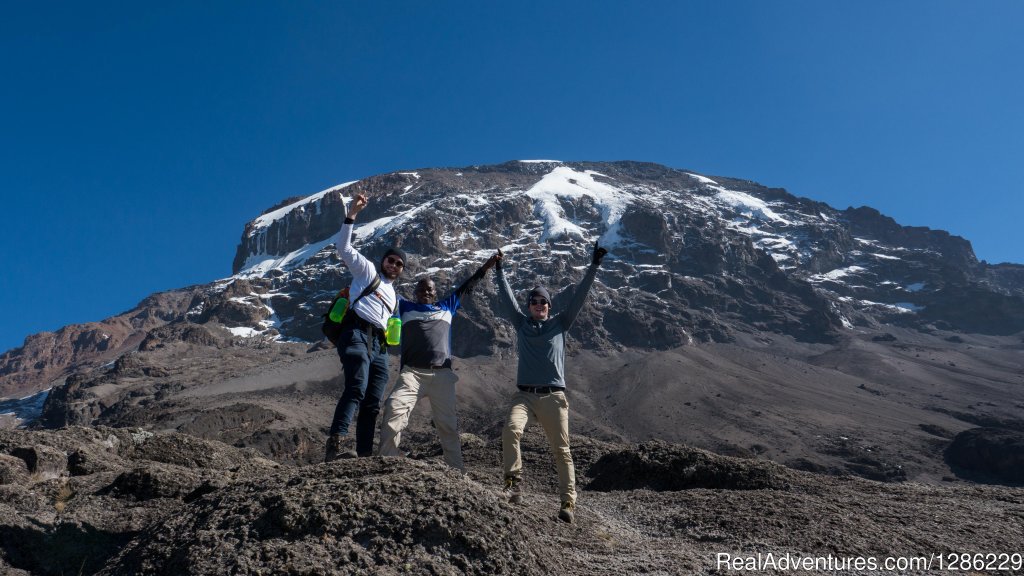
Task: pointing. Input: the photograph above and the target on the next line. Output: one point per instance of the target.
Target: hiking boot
(513, 491)
(567, 513)
(338, 447)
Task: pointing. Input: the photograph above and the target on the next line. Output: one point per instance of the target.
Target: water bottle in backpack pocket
(336, 313)
(339, 306)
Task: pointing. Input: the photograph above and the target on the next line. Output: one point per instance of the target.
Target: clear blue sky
(139, 137)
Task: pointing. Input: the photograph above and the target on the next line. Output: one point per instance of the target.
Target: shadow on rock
(160, 481)
(69, 548)
(990, 455)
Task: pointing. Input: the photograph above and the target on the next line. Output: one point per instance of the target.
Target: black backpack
(332, 329)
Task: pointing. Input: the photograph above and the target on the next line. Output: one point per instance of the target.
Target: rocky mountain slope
(753, 372)
(894, 337)
(693, 259)
(46, 358)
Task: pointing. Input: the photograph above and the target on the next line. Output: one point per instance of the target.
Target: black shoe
(339, 447)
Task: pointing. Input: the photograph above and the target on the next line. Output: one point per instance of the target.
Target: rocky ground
(199, 453)
(121, 501)
(882, 406)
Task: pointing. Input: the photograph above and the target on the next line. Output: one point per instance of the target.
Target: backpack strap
(373, 285)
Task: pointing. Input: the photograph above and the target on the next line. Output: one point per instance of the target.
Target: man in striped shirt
(427, 367)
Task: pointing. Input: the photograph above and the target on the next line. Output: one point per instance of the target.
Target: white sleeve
(361, 268)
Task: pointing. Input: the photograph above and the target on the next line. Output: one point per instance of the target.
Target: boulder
(995, 452)
(669, 467)
(42, 461)
(12, 470)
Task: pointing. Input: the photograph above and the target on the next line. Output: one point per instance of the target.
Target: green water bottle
(338, 310)
(394, 332)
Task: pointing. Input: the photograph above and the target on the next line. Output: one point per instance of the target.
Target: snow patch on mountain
(702, 179)
(264, 221)
(748, 206)
(25, 409)
(898, 307)
(370, 230)
(838, 273)
(260, 264)
(885, 256)
(564, 182)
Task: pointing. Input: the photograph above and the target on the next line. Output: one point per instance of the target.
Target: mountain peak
(693, 258)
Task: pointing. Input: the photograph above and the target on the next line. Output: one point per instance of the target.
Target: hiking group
(426, 363)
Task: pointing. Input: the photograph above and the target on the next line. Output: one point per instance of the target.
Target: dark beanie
(394, 251)
(540, 291)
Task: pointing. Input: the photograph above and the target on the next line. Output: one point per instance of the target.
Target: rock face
(69, 500)
(693, 259)
(661, 466)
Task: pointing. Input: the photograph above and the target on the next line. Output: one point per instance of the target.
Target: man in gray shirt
(540, 378)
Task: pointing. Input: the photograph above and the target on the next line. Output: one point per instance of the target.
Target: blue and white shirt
(427, 328)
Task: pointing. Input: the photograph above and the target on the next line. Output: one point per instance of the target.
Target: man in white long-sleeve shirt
(361, 343)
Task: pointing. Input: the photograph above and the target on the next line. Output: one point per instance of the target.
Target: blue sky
(138, 138)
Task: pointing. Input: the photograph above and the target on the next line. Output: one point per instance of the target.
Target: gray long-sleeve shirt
(541, 343)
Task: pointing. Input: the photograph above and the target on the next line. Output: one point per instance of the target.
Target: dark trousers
(365, 364)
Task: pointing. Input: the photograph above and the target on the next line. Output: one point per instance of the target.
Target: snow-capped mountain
(693, 258)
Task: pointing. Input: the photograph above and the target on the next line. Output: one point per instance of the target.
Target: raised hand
(357, 204)
(599, 254)
(493, 260)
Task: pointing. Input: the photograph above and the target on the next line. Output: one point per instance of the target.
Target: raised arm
(507, 306)
(580, 297)
(471, 282)
(359, 265)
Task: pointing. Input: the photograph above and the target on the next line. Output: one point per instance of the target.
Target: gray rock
(13, 470)
(42, 461)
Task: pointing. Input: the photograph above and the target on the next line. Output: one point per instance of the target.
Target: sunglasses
(395, 261)
(538, 302)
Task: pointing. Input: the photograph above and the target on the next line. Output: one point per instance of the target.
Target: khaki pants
(438, 386)
(552, 411)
